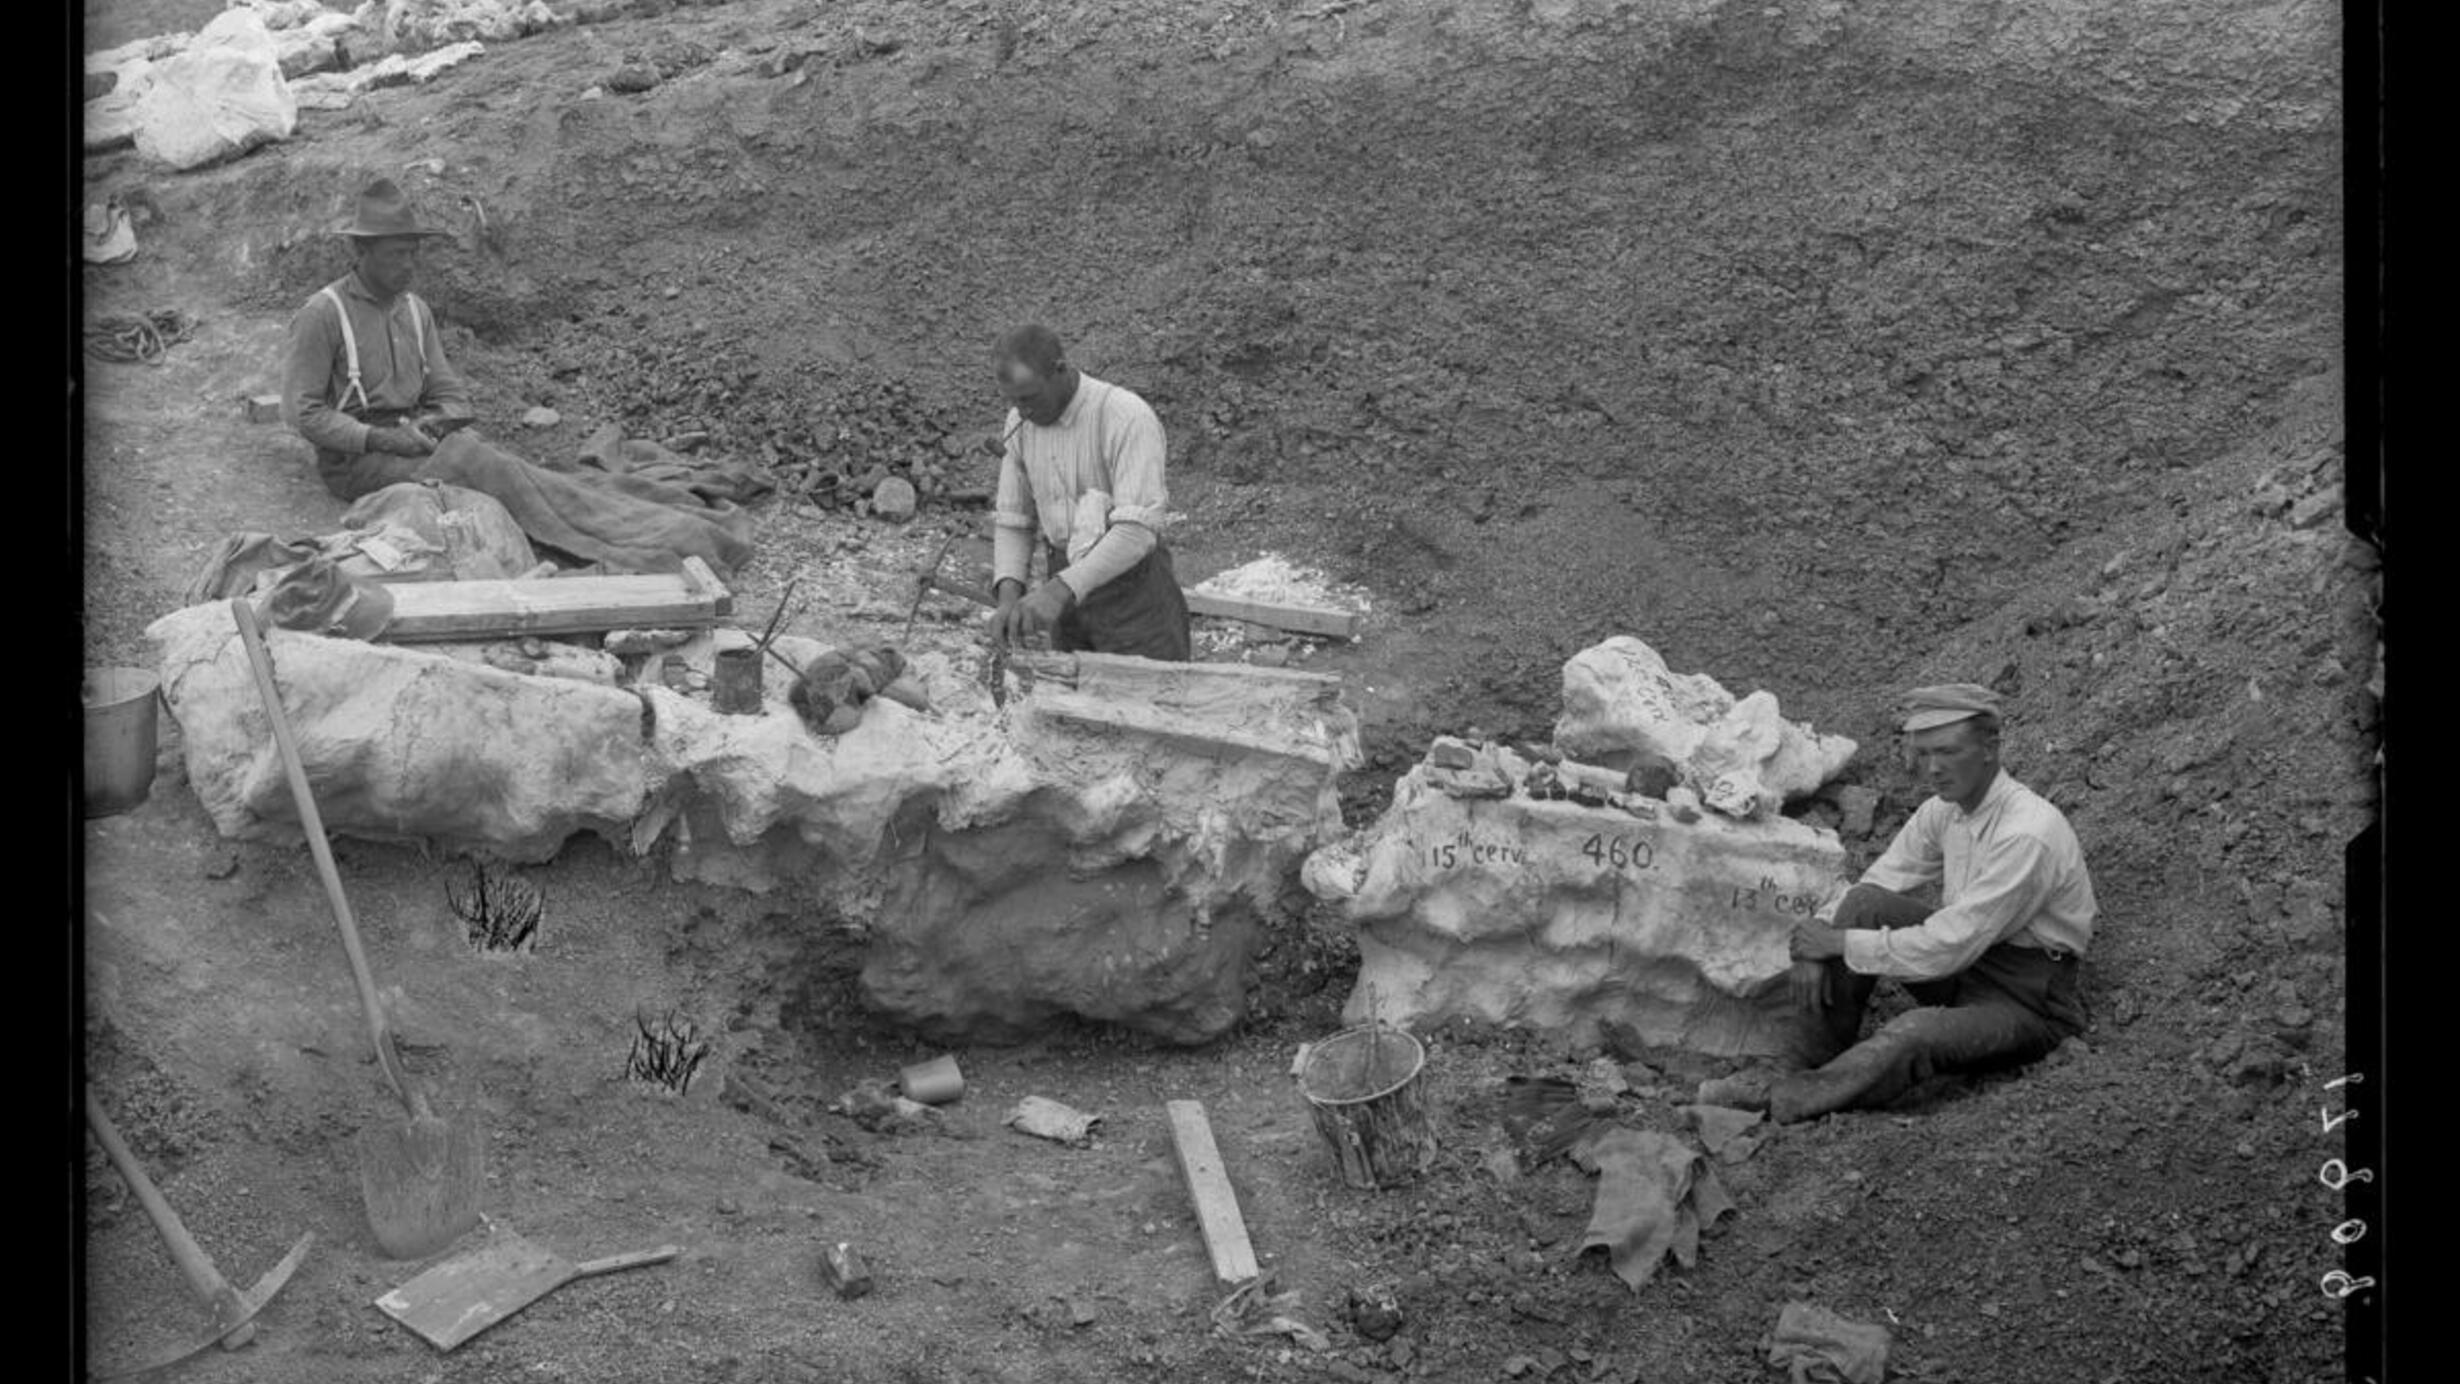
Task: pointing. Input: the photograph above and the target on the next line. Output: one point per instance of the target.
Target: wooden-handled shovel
(459, 1298)
(420, 1178)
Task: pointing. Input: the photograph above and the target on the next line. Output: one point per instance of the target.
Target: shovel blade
(421, 1179)
(459, 1298)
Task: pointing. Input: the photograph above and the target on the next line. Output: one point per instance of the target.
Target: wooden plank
(1338, 624)
(1188, 735)
(702, 581)
(1208, 1186)
(560, 605)
(1125, 670)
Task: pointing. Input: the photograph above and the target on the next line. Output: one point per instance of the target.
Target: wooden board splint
(1316, 620)
(442, 610)
(1208, 1187)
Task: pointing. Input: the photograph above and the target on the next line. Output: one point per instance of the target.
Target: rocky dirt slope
(1827, 348)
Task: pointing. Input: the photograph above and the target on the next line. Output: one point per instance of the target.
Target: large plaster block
(1106, 845)
(399, 742)
(1552, 915)
(1182, 799)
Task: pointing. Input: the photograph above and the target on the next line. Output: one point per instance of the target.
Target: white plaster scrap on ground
(222, 95)
(1276, 579)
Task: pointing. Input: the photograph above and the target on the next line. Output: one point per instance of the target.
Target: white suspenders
(350, 343)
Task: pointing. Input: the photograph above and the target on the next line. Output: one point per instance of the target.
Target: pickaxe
(234, 1311)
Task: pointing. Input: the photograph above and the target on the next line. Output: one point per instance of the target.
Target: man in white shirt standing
(1083, 470)
(1993, 967)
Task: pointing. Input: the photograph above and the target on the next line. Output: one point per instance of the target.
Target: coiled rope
(148, 338)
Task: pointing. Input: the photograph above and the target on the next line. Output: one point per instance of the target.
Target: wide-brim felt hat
(384, 210)
(317, 597)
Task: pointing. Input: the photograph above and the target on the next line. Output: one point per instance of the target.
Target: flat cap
(1947, 704)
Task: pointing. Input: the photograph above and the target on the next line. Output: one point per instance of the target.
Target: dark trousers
(2011, 1006)
(350, 477)
(1141, 611)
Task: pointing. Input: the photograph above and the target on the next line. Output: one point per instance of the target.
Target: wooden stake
(1336, 624)
(1208, 1186)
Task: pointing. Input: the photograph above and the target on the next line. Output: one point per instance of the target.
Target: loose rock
(845, 1271)
(893, 499)
(1048, 1119)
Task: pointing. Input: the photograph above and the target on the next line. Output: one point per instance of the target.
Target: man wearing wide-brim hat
(365, 379)
(1993, 966)
(366, 382)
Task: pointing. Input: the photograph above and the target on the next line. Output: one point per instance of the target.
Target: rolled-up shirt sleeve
(1134, 449)
(307, 377)
(2008, 885)
(1012, 515)
(1123, 545)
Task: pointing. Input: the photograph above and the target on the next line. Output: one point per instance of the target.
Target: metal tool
(922, 587)
(234, 1311)
(935, 582)
(458, 1299)
(784, 599)
(421, 1178)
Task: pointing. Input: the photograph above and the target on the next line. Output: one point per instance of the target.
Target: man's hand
(1009, 592)
(1034, 614)
(1809, 980)
(401, 440)
(1814, 940)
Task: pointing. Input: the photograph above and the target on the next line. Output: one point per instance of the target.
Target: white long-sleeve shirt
(1107, 445)
(2008, 871)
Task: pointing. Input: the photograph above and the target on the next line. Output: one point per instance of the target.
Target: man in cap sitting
(1993, 967)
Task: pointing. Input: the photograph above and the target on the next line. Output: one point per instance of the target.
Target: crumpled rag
(1723, 1130)
(714, 481)
(1820, 1347)
(233, 568)
(1654, 1195)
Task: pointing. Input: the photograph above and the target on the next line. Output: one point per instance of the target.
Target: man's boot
(1868, 1073)
(1744, 1090)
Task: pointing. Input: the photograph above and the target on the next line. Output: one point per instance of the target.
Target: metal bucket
(737, 681)
(1363, 1091)
(119, 738)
